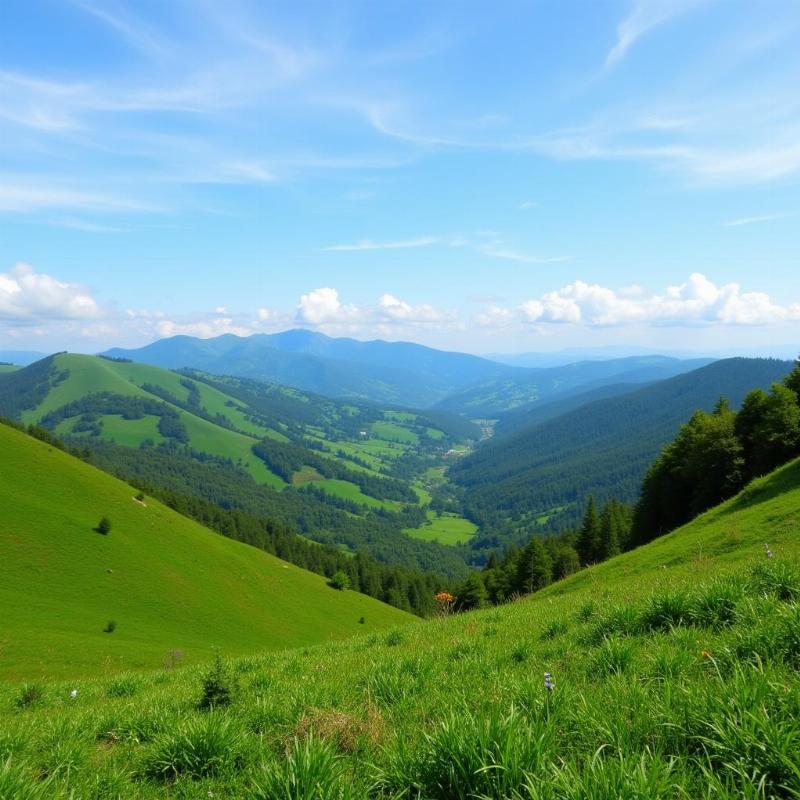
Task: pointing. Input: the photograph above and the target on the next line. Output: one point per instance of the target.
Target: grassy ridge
(169, 583)
(675, 668)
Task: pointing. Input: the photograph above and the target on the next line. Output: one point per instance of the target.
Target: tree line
(713, 457)
(716, 454)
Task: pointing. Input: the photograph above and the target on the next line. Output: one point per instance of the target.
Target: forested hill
(542, 476)
(536, 413)
(376, 371)
(527, 388)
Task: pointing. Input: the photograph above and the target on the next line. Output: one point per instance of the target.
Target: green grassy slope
(675, 677)
(92, 374)
(169, 583)
(8, 367)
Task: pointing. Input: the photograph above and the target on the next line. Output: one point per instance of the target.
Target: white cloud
(698, 301)
(392, 309)
(30, 296)
(644, 16)
(323, 306)
(496, 317)
(368, 244)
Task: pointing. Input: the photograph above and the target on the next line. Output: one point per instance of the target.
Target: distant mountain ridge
(377, 371)
(402, 373)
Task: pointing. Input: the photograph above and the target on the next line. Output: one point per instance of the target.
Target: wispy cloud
(368, 244)
(29, 198)
(498, 251)
(135, 32)
(736, 223)
(643, 18)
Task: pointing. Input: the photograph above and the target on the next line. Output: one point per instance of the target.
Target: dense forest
(542, 477)
(716, 454)
(713, 456)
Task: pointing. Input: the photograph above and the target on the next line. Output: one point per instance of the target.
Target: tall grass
(676, 695)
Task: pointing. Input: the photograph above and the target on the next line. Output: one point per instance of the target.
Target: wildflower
(769, 552)
(548, 682)
(705, 654)
(73, 694)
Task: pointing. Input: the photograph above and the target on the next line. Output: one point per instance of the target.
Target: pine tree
(472, 593)
(792, 380)
(588, 544)
(610, 530)
(535, 567)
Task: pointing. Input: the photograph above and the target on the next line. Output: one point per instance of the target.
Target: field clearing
(306, 475)
(391, 432)
(349, 491)
(447, 529)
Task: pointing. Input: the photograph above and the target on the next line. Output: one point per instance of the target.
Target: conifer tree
(588, 544)
(535, 568)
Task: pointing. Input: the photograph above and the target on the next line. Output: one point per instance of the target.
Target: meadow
(169, 584)
(673, 673)
(445, 529)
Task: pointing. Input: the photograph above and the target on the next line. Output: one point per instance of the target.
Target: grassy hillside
(603, 448)
(675, 671)
(170, 584)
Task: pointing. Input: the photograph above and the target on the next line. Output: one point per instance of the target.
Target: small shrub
(196, 748)
(30, 696)
(110, 627)
(104, 526)
(218, 687)
(362, 621)
(339, 580)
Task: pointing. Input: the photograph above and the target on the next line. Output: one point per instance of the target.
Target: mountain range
(394, 372)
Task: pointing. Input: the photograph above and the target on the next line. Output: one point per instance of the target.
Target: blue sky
(502, 176)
